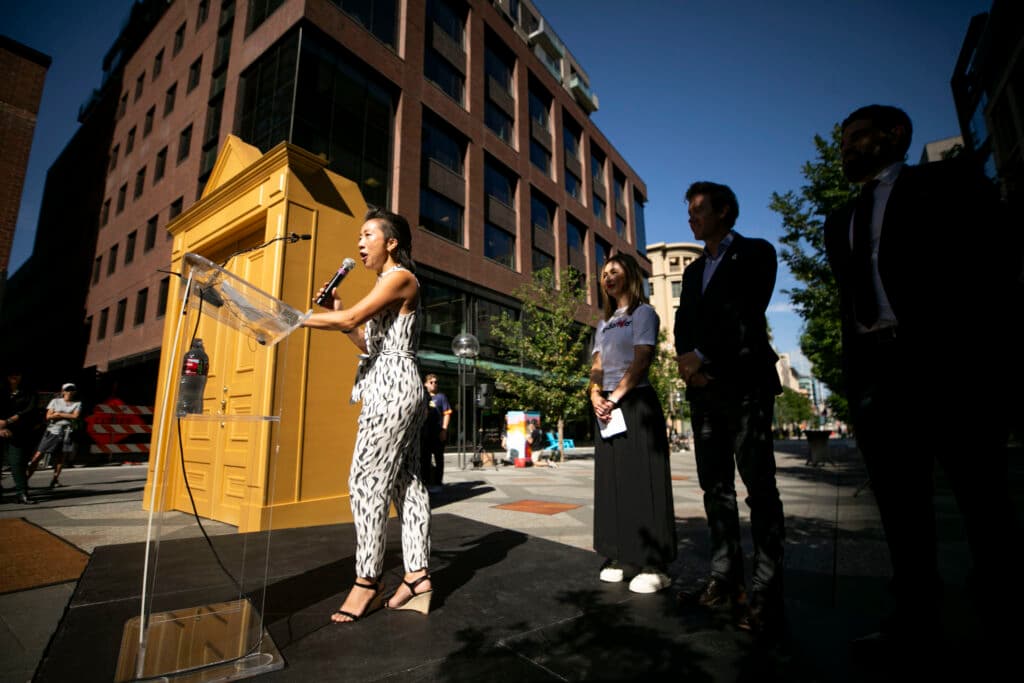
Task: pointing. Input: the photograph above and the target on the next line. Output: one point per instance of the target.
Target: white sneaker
(611, 574)
(649, 583)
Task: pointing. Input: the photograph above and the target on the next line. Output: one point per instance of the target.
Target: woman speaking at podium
(385, 326)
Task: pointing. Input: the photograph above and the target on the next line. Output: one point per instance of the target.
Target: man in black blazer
(926, 264)
(728, 364)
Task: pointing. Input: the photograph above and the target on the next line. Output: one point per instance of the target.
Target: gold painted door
(219, 453)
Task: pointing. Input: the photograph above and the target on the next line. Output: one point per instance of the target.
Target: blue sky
(725, 90)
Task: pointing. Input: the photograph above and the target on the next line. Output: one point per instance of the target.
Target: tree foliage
(548, 339)
(664, 377)
(792, 408)
(816, 299)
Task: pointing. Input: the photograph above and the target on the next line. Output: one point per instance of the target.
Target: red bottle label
(192, 366)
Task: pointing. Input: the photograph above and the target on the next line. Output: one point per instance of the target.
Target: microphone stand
(292, 239)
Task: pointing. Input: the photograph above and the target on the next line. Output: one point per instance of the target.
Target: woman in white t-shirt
(634, 520)
(57, 439)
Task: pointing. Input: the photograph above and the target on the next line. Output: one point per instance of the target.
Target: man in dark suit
(926, 267)
(728, 364)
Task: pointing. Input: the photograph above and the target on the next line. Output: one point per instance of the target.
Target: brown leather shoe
(716, 593)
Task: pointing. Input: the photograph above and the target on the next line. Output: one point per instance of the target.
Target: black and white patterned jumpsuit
(386, 462)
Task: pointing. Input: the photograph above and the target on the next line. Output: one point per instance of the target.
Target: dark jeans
(431, 458)
(733, 430)
(888, 416)
(16, 458)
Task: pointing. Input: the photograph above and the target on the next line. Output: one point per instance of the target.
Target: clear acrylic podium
(210, 628)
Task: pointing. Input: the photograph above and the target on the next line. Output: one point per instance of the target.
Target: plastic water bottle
(194, 369)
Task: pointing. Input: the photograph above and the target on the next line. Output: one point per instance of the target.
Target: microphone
(326, 298)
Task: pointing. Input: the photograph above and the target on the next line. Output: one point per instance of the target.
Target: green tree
(664, 377)
(792, 408)
(816, 300)
(548, 339)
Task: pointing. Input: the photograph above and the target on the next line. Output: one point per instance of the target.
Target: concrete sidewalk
(836, 559)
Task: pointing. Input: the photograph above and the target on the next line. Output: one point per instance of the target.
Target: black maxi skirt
(634, 517)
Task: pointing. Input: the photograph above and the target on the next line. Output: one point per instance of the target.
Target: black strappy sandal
(376, 602)
(419, 602)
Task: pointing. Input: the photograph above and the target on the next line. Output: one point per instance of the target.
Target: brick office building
(469, 118)
(24, 72)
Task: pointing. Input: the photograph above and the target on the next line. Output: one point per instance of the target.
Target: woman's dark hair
(634, 284)
(395, 227)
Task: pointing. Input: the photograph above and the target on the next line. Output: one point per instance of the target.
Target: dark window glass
(195, 71)
(112, 260)
(498, 67)
(105, 213)
(540, 157)
(179, 40)
(122, 309)
(572, 184)
(540, 106)
(169, 99)
(597, 168)
(158, 64)
(140, 83)
(147, 127)
(499, 245)
(620, 188)
(161, 300)
(101, 329)
(129, 247)
(599, 208)
(129, 144)
(380, 17)
(574, 233)
(498, 121)
(113, 156)
(141, 299)
(677, 288)
(160, 166)
(202, 13)
(344, 111)
(570, 140)
(175, 209)
(498, 183)
(184, 143)
(122, 106)
(542, 260)
(259, 10)
(268, 90)
(443, 315)
(140, 182)
(122, 194)
(640, 226)
(620, 226)
(542, 212)
(440, 215)
(97, 266)
(446, 76)
(601, 252)
(451, 20)
(487, 314)
(442, 146)
(150, 240)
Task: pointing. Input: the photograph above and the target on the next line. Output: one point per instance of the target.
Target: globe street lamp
(466, 348)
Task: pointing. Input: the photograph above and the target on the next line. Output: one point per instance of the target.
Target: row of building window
(121, 310)
(202, 14)
(159, 170)
(149, 241)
